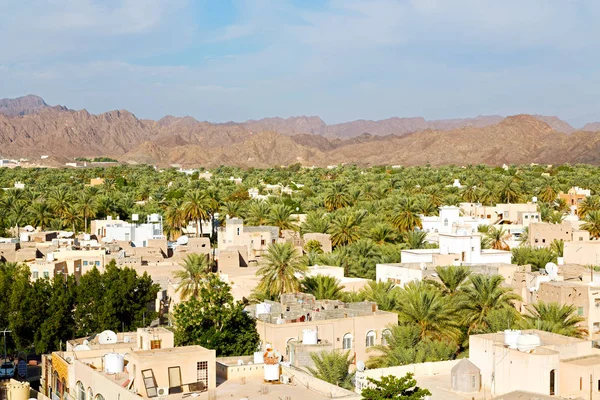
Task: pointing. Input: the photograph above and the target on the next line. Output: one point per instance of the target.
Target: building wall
(331, 330)
(323, 238)
(397, 273)
(582, 253)
(512, 370)
(542, 234)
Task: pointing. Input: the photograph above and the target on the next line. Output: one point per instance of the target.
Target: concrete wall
(330, 330)
(323, 388)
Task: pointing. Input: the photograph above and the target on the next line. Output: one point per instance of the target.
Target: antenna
(4, 332)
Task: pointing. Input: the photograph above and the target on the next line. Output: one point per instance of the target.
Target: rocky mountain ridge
(38, 129)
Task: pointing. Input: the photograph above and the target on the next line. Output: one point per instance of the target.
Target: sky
(223, 60)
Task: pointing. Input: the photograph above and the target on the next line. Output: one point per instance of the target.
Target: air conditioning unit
(163, 391)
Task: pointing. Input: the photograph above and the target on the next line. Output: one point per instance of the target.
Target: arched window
(90, 394)
(99, 397)
(446, 222)
(80, 391)
(385, 336)
(371, 335)
(347, 343)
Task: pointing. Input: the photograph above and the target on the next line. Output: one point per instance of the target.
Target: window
(536, 240)
(581, 239)
(90, 394)
(473, 382)
(46, 274)
(347, 341)
(85, 263)
(202, 374)
(80, 391)
(238, 231)
(35, 274)
(99, 397)
(370, 340)
(262, 242)
(552, 379)
(175, 380)
(543, 240)
(446, 222)
(580, 311)
(150, 382)
(97, 263)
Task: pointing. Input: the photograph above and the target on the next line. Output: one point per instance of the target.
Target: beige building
(299, 325)
(517, 213)
(582, 252)
(142, 364)
(537, 361)
(248, 241)
(585, 297)
(542, 234)
(403, 273)
(574, 197)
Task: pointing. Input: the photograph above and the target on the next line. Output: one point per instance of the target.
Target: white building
(457, 248)
(449, 220)
(110, 230)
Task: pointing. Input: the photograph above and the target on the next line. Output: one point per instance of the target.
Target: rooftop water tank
(510, 338)
(258, 357)
(528, 342)
(309, 336)
(113, 363)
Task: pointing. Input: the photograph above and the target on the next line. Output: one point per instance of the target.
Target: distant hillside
(25, 105)
(32, 128)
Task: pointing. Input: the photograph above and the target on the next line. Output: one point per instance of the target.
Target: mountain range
(31, 128)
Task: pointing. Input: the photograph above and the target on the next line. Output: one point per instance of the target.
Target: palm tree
(71, 217)
(315, 222)
(194, 209)
(548, 194)
(258, 213)
(382, 233)
(590, 203)
(333, 367)
(405, 217)
(555, 217)
(59, 199)
(194, 269)
(86, 203)
(497, 237)
(422, 305)
(345, 229)
(509, 190)
(336, 197)
(281, 273)
(415, 239)
(556, 318)
(558, 247)
(323, 287)
(452, 278)
(592, 223)
(281, 217)
(17, 215)
(41, 214)
(175, 216)
(385, 294)
(469, 193)
(424, 205)
(482, 295)
(232, 208)
(403, 345)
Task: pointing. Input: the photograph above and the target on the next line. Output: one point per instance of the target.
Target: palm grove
(371, 214)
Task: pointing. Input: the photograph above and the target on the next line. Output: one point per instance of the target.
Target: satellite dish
(81, 347)
(183, 240)
(360, 365)
(86, 342)
(107, 337)
(29, 228)
(551, 270)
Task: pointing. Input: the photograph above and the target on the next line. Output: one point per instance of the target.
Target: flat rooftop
(546, 338)
(256, 388)
(584, 361)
